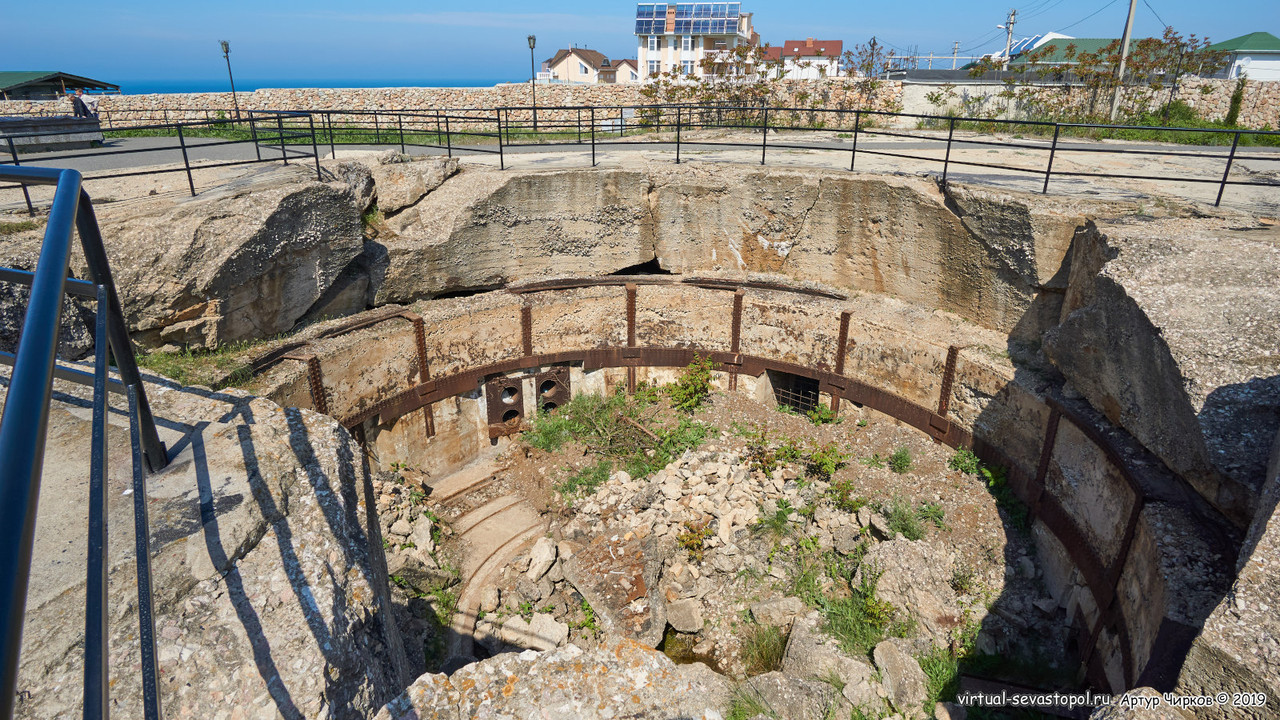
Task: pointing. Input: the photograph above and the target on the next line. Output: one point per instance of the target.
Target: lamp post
(533, 87)
(226, 55)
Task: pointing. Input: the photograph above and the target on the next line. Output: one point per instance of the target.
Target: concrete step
(461, 640)
(456, 485)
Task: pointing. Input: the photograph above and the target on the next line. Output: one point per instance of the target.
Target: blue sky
(325, 39)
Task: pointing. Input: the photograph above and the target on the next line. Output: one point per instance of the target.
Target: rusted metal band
(526, 329)
(841, 345)
(424, 370)
(1046, 454)
(948, 377)
(631, 314)
(735, 332)
(314, 381)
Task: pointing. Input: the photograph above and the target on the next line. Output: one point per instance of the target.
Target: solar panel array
(717, 18)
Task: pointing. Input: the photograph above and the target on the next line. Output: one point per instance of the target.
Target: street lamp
(533, 88)
(226, 55)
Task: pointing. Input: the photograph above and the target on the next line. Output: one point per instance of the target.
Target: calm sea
(138, 87)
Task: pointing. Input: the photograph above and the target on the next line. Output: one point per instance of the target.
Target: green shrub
(900, 460)
(932, 513)
(822, 415)
(691, 390)
(902, 519)
(858, 622)
(998, 484)
(762, 648)
(586, 480)
(693, 540)
(942, 676)
(965, 461)
(875, 461)
(824, 461)
(1237, 101)
(841, 494)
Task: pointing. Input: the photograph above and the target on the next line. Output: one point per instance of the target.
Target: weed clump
(690, 391)
(900, 460)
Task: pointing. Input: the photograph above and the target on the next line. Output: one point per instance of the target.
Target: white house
(1256, 56)
(678, 36)
(806, 59)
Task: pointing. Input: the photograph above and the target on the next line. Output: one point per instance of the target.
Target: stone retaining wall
(1210, 97)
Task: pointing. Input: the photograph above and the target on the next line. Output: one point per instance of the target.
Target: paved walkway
(1132, 170)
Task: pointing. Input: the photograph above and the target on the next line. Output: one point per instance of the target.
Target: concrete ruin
(1122, 367)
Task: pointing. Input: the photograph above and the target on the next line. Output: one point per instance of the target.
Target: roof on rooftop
(1254, 41)
(10, 79)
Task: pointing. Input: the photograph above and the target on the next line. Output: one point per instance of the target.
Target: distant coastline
(145, 87)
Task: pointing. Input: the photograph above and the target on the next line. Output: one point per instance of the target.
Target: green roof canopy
(1055, 51)
(1253, 42)
(14, 79)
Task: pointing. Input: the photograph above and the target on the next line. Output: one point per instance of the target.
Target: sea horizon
(147, 86)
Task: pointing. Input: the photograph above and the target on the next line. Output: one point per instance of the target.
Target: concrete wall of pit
(1094, 527)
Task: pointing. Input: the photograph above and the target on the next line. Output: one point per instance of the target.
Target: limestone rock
(75, 334)
(566, 684)
(541, 558)
(619, 578)
(685, 615)
(798, 698)
(901, 675)
(949, 711)
(237, 264)
(270, 598)
(916, 578)
(402, 184)
(421, 535)
(359, 181)
(777, 612)
(490, 599)
(542, 632)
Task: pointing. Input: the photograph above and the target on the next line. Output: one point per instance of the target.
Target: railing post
(400, 127)
(448, 136)
(1230, 158)
(502, 160)
(764, 135)
(946, 161)
(253, 133)
(95, 256)
(579, 126)
(186, 163)
(1053, 149)
(142, 555)
(280, 129)
(377, 131)
(333, 151)
(678, 135)
(96, 666)
(315, 151)
(593, 136)
(25, 193)
(857, 122)
(622, 121)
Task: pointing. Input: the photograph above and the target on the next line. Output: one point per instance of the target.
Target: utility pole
(1008, 38)
(1124, 55)
(955, 52)
(533, 79)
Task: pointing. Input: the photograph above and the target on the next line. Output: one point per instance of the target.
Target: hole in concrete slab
(651, 267)
(548, 406)
(509, 395)
(796, 392)
(546, 388)
(510, 415)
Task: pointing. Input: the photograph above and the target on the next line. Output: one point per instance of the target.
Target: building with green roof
(47, 84)
(1256, 56)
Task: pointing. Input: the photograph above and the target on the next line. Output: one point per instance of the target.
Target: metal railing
(23, 428)
(678, 126)
(277, 132)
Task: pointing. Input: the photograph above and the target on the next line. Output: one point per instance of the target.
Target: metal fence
(23, 427)
(281, 135)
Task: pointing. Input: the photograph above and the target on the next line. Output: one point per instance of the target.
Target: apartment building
(677, 37)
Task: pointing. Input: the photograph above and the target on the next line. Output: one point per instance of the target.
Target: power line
(1043, 10)
(1086, 17)
(1163, 24)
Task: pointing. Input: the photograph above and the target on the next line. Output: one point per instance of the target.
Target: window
(634, 76)
(583, 69)
(654, 68)
(686, 43)
(653, 43)
(686, 67)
